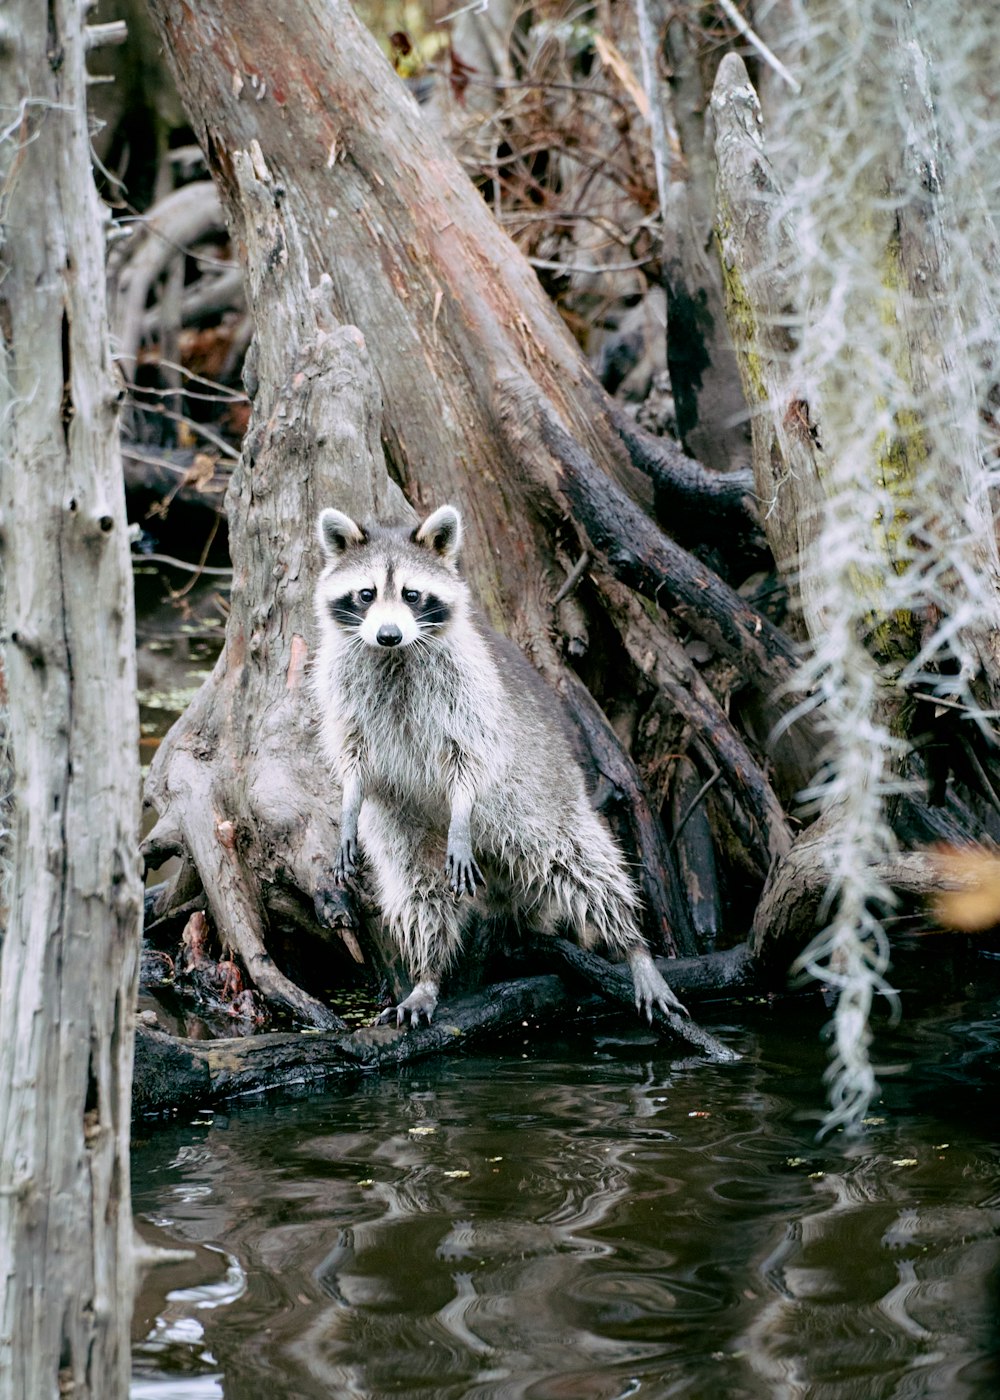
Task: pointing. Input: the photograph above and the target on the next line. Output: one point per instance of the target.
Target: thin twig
(691, 807)
(757, 42)
(597, 268)
(202, 567)
(182, 564)
(573, 578)
(199, 428)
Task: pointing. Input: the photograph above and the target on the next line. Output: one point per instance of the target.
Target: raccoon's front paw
(347, 861)
(421, 1002)
(461, 869)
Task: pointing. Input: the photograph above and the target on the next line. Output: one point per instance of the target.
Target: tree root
(614, 984)
(238, 785)
(637, 553)
(755, 809)
(696, 505)
(197, 818)
(788, 911)
(170, 1071)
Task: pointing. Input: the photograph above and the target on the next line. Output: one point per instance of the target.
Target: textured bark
(757, 254)
(453, 316)
(486, 401)
(903, 234)
(790, 906)
(712, 421)
(238, 787)
(70, 952)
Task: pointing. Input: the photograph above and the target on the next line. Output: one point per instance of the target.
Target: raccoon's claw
(347, 861)
(463, 873)
(421, 1002)
(651, 989)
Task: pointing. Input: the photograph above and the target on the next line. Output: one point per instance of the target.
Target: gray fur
(455, 769)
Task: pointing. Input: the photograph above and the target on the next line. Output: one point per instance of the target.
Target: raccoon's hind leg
(592, 892)
(650, 987)
(422, 917)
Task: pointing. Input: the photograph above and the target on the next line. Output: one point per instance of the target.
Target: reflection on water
(588, 1221)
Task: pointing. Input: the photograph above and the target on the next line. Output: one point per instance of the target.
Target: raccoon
(457, 775)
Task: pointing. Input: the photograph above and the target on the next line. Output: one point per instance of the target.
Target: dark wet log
(614, 984)
(170, 1070)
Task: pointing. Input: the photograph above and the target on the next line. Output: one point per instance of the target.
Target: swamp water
(588, 1218)
(594, 1218)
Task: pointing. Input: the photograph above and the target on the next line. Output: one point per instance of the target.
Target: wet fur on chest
(410, 719)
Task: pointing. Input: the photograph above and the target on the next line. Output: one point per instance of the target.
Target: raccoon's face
(387, 588)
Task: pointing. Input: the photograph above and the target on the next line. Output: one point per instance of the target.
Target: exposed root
(212, 840)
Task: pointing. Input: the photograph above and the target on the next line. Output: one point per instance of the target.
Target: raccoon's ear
(441, 533)
(337, 532)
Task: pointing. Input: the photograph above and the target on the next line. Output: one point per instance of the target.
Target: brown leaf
(975, 903)
(199, 474)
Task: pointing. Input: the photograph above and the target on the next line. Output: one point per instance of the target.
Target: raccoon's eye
(366, 595)
(411, 595)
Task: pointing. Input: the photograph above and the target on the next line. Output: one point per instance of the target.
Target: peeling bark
(238, 786)
(70, 949)
(325, 167)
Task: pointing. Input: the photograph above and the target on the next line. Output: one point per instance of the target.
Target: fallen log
(171, 1072)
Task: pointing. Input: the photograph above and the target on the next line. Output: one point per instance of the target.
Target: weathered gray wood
(70, 954)
(712, 421)
(451, 312)
(238, 785)
(467, 348)
(898, 226)
(757, 256)
(791, 904)
(924, 471)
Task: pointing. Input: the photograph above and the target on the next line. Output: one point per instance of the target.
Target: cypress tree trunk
(70, 952)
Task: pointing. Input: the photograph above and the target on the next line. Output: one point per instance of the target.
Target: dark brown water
(595, 1219)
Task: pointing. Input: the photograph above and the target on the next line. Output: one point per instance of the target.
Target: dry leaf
(613, 60)
(975, 904)
(199, 474)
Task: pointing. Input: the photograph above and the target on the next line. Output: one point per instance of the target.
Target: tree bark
(712, 419)
(70, 953)
(799, 432)
(238, 787)
(485, 400)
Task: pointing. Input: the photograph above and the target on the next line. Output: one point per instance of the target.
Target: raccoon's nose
(388, 635)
